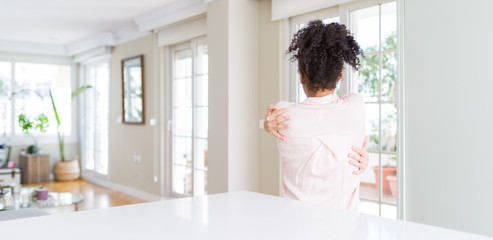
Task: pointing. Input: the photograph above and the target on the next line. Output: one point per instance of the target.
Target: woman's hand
(361, 159)
(272, 123)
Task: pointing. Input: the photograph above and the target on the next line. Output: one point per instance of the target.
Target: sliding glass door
(95, 118)
(189, 118)
(375, 29)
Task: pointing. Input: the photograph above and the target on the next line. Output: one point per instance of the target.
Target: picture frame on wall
(133, 90)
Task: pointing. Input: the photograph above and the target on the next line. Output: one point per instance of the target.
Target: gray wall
(269, 92)
(448, 84)
(217, 155)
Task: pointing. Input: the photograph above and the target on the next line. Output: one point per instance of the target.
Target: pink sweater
(315, 154)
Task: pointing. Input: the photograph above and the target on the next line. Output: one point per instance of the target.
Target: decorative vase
(67, 171)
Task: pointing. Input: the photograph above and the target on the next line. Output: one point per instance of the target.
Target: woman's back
(315, 153)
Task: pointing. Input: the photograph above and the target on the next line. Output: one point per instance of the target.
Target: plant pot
(386, 171)
(67, 171)
(392, 179)
(205, 157)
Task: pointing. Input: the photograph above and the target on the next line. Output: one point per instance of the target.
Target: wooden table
(235, 215)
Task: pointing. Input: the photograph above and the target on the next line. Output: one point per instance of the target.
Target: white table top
(235, 215)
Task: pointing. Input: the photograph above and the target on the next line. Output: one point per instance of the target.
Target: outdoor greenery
(28, 126)
(369, 88)
(368, 72)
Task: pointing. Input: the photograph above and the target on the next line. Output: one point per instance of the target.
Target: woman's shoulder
(353, 98)
(284, 104)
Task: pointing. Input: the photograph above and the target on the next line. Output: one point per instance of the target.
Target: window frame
(82, 76)
(289, 88)
(16, 140)
(192, 45)
(345, 11)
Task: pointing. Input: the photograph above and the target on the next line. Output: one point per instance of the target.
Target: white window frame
(290, 82)
(16, 140)
(82, 70)
(345, 11)
(171, 50)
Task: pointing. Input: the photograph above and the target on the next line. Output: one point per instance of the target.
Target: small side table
(35, 168)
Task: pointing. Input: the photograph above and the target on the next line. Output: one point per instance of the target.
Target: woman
(315, 143)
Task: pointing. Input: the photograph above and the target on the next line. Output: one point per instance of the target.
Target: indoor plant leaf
(80, 90)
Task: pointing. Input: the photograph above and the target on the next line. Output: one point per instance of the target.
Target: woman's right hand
(273, 121)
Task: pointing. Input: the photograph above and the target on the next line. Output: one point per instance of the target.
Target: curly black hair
(321, 50)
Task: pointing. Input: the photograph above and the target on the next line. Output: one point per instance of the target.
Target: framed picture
(133, 90)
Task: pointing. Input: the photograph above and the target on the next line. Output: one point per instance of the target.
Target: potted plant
(35, 166)
(66, 170)
(392, 179)
(387, 170)
(28, 127)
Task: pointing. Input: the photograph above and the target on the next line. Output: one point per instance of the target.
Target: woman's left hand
(361, 159)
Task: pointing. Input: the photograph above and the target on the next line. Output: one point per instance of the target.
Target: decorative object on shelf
(133, 90)
(29, 126)
(40, 194)
(5, 156)
(35, 168)
(63, 166)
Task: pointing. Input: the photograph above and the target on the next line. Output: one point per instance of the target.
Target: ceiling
(66, 21)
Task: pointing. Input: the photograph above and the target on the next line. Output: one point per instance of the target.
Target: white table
(236, 215)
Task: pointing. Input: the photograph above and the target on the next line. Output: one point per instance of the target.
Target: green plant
(61, 141)
(28, 127)
(370, 87)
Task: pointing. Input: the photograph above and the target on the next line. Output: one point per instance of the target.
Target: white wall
(233, 157)
(243, 73)
(448, 85)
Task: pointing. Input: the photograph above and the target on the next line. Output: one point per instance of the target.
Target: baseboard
(122, 188)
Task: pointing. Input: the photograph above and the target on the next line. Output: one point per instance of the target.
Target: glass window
(190, 119)
(375, 30)
(25, 89)
(96, 118)
(5, 103)
(33, 83)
